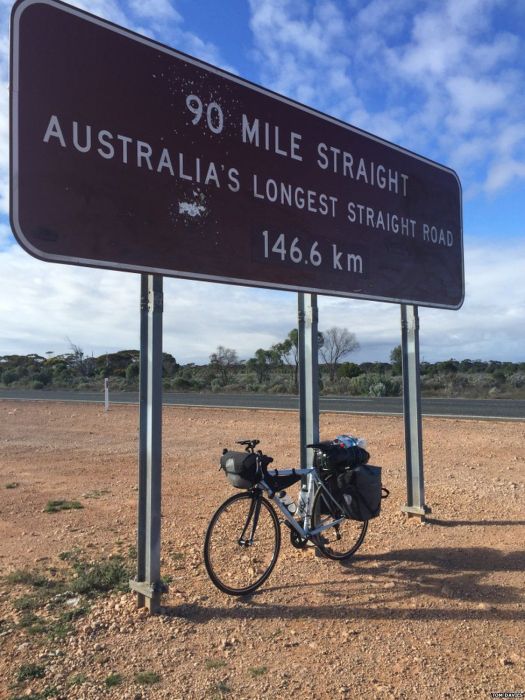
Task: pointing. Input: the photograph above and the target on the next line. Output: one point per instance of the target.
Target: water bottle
(302, 501)
(287, 501)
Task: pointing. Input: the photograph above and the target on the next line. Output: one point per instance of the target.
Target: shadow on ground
(481, 523)
(420, 584)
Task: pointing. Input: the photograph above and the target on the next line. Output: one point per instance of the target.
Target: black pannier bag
(331, 456)
(241, 467)
(361, 492)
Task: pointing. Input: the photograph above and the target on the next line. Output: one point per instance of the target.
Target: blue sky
(444, 79)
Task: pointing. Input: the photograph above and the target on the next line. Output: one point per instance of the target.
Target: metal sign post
(412, 411)
(148, 584)
(308, 379)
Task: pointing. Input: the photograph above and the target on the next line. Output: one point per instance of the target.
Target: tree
(223, 360)
(288, 351)
(170, 367)
(447, 366)
(116, 364)
(262, 363)
(81, 364)
(337, 344)
(348, 370)
(395, 359)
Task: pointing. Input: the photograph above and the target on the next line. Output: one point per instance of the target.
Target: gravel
(424, 610)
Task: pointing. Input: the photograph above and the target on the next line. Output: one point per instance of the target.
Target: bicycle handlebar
(250, 444)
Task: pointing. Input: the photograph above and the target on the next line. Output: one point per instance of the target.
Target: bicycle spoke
(342, 540)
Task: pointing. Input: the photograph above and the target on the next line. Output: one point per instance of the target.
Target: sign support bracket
(415, 505)
(148, 585)
(308, 351)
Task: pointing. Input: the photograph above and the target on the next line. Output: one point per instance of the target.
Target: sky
(439, 77)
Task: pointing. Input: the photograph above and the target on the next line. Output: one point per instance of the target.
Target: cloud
(443, 79)
(108, 9)
(6, 237)
(504, 172)
(99, 311)
(295, 45)
(157, 10)
(490, 324)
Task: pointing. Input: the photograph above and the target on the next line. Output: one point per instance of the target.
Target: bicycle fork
(253, 517)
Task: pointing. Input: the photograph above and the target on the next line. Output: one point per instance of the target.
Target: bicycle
(243, 538)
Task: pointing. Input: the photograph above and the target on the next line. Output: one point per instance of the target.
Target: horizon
(349, 359)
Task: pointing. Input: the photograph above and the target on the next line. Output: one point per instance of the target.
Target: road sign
(128, 155)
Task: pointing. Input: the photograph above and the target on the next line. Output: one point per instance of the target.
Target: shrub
(9, 376)
(29, 578)
(77, 679)
(222, 689)
(256, 671)
(182, 383)
(132, 372)
(348, 370)
(279, 388)
(113, 679)
(99, 577)
(394, 386)
(232, 388)
(84, 386)
(499, 377)
(56, 506)
(147, 677)
(29, 671)
(43, 377)
(378, 389)
(517, 380)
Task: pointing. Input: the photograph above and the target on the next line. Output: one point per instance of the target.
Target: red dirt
(431, 610)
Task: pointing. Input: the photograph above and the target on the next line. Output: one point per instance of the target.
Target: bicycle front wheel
(242, 543)
(339, 541)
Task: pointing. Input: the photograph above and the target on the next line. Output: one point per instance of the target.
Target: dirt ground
(424, 610)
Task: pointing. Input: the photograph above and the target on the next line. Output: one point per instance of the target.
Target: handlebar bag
(360, 488)
(241, 467)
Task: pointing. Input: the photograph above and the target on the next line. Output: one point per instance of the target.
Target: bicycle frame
(314, 480)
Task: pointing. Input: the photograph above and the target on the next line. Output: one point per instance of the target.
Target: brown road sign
(128, 155)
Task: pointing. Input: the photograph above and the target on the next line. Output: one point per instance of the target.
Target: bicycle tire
(341, 541)
(235, 566)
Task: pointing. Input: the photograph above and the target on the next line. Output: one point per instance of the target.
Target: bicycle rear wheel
(242, 543)
(340, 541)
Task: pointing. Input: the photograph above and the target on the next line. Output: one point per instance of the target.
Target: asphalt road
(513, 409)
